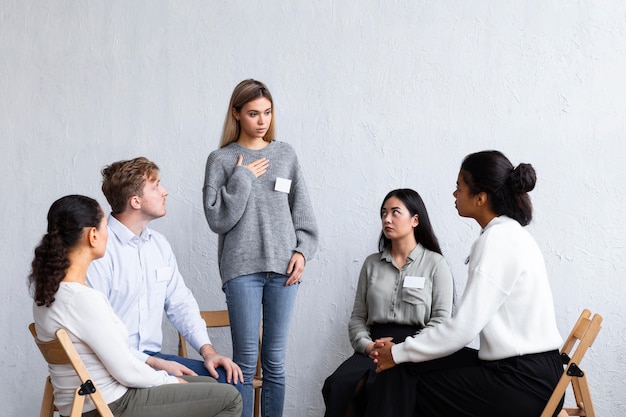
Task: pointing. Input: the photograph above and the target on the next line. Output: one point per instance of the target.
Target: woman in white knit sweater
(77, 234)
(507, 302)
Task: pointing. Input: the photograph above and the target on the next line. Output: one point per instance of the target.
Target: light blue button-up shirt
(140, 277)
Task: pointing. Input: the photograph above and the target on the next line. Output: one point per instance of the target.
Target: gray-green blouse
(385, 295)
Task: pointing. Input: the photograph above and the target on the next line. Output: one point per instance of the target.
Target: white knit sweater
(507, 301)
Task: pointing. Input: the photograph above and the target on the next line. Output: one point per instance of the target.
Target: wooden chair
(584, 332)
(61, 351)
(219, 318)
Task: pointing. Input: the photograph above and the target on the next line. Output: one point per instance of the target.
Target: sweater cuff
(172, 380)
(399, 354)
(140, 355)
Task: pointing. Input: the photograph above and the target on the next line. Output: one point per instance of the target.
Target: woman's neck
(73, 275)
(401, 249)
(252, 143)
(485, 219)
(77, 271)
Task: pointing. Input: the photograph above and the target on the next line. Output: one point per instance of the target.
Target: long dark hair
(67, 218)
(423, 232)
(506, 186)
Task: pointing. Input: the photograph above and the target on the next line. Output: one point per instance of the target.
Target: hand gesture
(382, 354)
(258, 167)
(213, 360)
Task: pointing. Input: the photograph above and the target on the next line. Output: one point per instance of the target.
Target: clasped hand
(381, 354)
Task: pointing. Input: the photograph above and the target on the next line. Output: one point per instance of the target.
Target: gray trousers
(201, 397)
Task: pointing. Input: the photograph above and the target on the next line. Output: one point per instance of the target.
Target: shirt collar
(123, 233)
(417, 251)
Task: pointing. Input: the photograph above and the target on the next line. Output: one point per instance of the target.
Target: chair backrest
(61, 351)
(581, 337)
(214, 318)
(217, 318)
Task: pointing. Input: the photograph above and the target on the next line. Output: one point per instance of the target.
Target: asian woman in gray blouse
(402, 289)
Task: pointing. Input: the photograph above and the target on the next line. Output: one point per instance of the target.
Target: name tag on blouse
(283, 185)
(414, 282)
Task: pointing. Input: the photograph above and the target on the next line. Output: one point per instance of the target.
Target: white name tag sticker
(283, 185)
(163, 274)
(414, 282)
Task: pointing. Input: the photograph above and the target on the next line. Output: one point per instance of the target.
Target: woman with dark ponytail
(507, 302)
(67, 218)
(77, 234)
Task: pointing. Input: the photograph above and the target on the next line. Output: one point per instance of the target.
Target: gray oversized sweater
(259, 227)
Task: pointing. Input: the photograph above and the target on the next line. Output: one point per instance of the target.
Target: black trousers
(513, 387)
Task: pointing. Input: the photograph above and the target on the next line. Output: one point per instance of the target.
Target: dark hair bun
(522, 179)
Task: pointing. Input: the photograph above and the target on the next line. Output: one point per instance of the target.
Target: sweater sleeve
(480, 301)
(95, 323)
(224, 195)
(492, 272)
(307, 234)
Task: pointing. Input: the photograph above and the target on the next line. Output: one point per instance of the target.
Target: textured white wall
(373, 95)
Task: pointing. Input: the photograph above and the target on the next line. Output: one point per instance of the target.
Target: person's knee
(247, 369)
(233, 398)
(274, 367)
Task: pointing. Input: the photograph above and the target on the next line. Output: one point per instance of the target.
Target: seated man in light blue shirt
(140, 277)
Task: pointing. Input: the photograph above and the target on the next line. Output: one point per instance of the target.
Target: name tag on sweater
(414, 282)
(283, 185)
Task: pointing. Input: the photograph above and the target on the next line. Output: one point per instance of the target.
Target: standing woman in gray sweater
(256, 200)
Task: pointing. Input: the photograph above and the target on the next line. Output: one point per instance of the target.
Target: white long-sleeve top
(507, 301)
(101, 340)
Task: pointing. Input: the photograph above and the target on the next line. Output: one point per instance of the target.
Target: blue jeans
(195, 365)
(246, 296)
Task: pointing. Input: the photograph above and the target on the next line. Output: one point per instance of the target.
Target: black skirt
(513, 387)
(339, 388)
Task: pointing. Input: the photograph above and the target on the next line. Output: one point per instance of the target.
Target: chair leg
(257, 402)
(585, 397)
(47, 403)
(77, 404)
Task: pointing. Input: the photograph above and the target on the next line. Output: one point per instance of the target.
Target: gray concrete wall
(373, 95)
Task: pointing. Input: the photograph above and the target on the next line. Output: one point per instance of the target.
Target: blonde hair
(246, 91)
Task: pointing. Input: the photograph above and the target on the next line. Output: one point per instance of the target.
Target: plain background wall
(373, 95)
